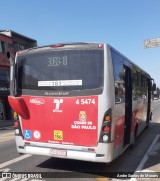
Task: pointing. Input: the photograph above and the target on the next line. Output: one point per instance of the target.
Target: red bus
(83, 101)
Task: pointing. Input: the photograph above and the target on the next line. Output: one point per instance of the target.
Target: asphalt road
(128, 162)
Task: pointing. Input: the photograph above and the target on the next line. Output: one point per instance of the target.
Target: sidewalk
(149, 168)
(151, 160)
(5, 123)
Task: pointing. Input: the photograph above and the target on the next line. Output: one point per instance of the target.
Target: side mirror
(154, 87)
(10, 58)
(8, 55)
(12, 73)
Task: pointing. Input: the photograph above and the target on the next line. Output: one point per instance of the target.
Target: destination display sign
(151, 43)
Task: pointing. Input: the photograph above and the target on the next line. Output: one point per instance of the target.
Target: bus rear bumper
(70, 154)
(102, 153)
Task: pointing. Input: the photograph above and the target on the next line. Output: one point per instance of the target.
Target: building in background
(12, 42)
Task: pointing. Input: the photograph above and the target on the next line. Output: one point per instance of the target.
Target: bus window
(118, 78)
(61, 70)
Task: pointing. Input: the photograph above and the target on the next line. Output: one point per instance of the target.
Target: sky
(124, 24)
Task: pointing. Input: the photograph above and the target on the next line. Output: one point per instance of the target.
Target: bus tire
(133, 142)
(134, 139)
(21, 154)
(151, 117)
(149, 121)
(148, 124)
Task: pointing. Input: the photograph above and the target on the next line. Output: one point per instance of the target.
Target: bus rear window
(61, 70)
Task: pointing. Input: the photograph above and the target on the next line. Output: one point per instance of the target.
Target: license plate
(56, 152)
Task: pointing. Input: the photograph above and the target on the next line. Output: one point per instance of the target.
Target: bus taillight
(100, 45)
(91, 149)
(19, 53)
(15, 115)
(106, 129)
(16, 124)
(57, 45)
(105, 138)
(107, 118)
(17, 131)
(105, 135)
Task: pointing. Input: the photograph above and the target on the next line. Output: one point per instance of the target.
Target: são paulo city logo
(82, 123)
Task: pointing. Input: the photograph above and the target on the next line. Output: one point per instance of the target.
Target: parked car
(156, 97)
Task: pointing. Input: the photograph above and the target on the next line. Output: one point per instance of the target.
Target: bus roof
(63, 45)
(79, 45)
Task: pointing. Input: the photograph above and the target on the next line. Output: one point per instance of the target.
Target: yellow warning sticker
(58, 135)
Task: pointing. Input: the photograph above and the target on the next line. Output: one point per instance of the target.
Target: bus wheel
(148, 124)
(149, 121)
(134, 139)
(151, 116)
(21, 154)
(133, 142)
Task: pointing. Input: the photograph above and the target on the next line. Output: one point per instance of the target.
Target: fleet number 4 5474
(85, 101)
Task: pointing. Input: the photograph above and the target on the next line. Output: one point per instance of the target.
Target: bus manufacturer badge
(37, 101)
(82, 116)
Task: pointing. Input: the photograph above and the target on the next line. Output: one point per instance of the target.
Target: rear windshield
(61, 70)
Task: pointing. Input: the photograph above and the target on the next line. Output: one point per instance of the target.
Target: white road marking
(6, 139)
(5, 170)
(145, 158)
(7, 128)
(7, 136)
(14, 160)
